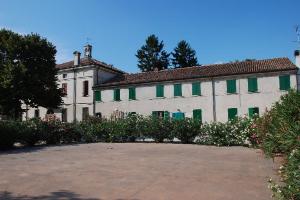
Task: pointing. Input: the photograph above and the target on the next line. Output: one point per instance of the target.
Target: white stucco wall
(87, 73)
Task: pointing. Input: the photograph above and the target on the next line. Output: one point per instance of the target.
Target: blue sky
(219, 30)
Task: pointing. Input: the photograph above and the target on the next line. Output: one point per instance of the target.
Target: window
(177, 90)
(197, 114)
(85, 113)
(130, 114)
(253, 111)
(159, 91)
(196, 89)
(117, 95)
(131, 93)
(64, 113)
(232, 113)
(284, 82)
(64, 75)
(252, 84)
(64, 88)
(97, 95)
(37, 113)
(98, 114)
(161, 114)
(85, 88)
(178, 115)
(231, 86)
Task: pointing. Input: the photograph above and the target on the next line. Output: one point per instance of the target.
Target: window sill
(232, 93)
(196, 95)
(179, 96)
(160, 97)
(132, 99)
(249, 92)
(86, 96)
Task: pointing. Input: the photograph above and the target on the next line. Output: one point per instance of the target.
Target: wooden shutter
(177, 90)
(159, 91)
(232, 113)
(166, 115)
(253, 111)
(196, 88)
(131, 93)
(197, 114)
(97, 95)
(178, 115)
(252, 84)
(117, 95)
(231, 86)
(65, 89)
(284, 82)
(85, 88)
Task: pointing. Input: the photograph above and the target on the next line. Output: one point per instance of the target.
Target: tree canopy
(151, 55)
(27, 73)
(184, 55)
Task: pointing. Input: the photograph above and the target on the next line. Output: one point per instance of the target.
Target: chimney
(76, 58)
(88, 51)
(297, 58)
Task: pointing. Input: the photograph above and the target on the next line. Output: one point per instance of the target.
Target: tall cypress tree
(184, 55)
(151, 55)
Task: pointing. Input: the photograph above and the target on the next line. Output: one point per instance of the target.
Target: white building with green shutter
(209, 93)
(216, 92)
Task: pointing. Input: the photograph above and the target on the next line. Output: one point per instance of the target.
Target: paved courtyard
(134, 171)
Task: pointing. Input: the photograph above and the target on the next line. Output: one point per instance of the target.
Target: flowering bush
(235, 132)
(279, 132)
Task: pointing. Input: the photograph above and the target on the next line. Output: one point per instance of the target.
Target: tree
(27, 73)
(151, 55)
(184, 55)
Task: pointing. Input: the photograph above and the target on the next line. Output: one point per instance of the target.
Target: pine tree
(151, 55)
(184, 55)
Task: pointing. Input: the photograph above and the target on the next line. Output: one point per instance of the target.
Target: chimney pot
(76, 58)
(297, 58)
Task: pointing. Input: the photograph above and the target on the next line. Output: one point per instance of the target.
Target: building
(215, 92)
(76, 79)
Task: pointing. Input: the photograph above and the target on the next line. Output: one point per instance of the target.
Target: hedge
(131, 129)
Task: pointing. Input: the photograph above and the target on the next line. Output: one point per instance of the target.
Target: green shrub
(279, 132)
(158, 129)
(8, 134)
(30, 132)
(186, 130)
(235, 132)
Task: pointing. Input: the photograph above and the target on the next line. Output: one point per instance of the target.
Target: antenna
(297, 29)
(89, 39)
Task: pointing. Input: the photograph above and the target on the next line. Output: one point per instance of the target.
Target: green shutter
(231, 86)
(178, 115)
(97, 95)
(232, 113)
(166, 115)
(177, 90)
(252, 84)
(117, 95)
(197, 114)
(196, 88)
(159, 91)
(253, 111)
(131, 93)
(284, 82)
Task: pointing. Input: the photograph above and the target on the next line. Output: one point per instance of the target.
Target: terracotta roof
(86, 62)
(214, 70)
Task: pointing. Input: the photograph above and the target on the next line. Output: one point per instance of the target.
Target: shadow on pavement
(60, 195)
(17, 150)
